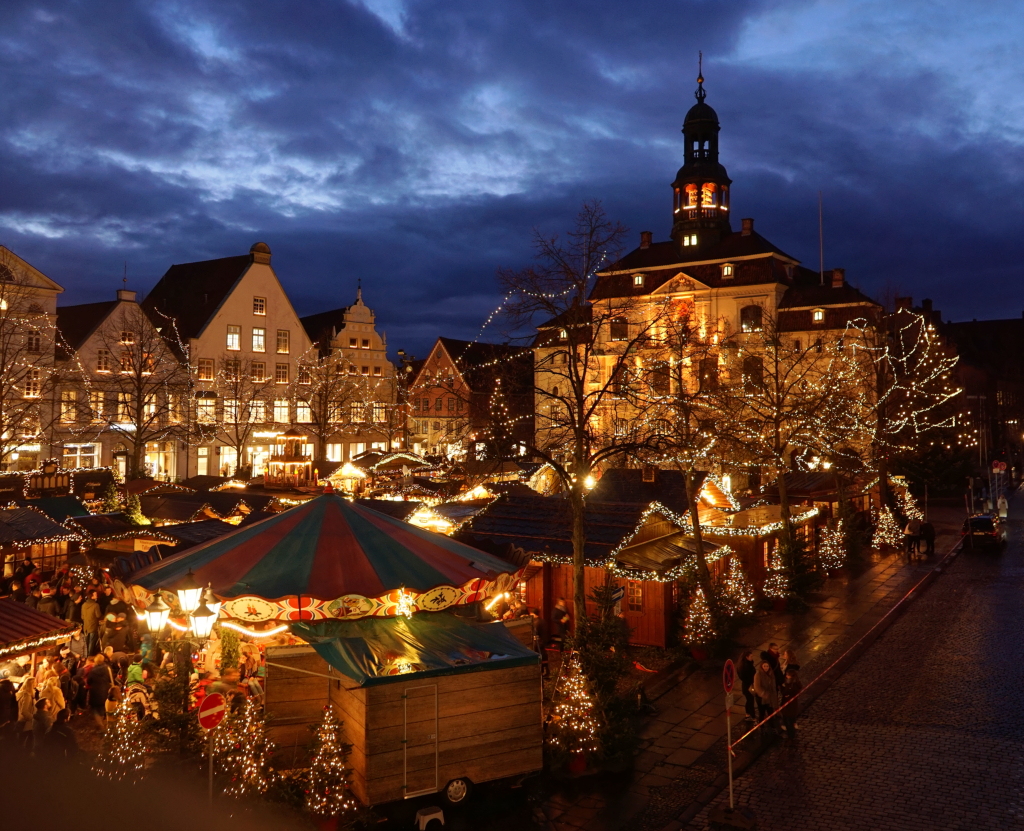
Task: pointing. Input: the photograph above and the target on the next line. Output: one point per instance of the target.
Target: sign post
(211, 713)
(728, 681)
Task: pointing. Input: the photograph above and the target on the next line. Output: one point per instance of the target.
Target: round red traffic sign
(212, 711)
(729, 675)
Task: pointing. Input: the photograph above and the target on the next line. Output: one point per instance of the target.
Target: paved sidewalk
(682, 748)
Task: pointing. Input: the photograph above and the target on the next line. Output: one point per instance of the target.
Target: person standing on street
(912, 536)
(767, 692)
(790, 709)
(1002, 505)
(91, 617)
(928, 538)
(746, 672)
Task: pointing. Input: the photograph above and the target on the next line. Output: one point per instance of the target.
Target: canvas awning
(385, 650)
(24, 630)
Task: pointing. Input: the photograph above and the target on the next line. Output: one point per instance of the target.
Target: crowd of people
(108, 660)
(770, 684)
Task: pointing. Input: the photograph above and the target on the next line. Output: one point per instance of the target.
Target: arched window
(707, 198)
(691, 196)
(750, 318)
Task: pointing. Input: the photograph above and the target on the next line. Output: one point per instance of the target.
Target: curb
(745, 758)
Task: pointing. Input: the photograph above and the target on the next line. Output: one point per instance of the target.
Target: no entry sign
(729, 675)
(211, 711)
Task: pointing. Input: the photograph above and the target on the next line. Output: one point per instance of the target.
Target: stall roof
(396, 508)
(21, 627)
(325, 549)
(28, 524)
(57, 508)
(376, 651)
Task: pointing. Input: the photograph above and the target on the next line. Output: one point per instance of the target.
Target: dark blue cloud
(415, 145)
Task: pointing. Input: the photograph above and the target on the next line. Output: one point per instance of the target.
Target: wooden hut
(431, 704)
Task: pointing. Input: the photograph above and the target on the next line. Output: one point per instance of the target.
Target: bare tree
(330, 397)
(141, 384)
(586, 371)
(242, 386)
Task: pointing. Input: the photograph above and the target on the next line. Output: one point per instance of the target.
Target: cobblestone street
(925, 730)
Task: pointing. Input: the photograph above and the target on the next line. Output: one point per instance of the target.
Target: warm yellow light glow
(495, 599)
(252, 633)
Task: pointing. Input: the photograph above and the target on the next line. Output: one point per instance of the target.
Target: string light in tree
(887, 530)
(739, 598)
(249, 762)
(908, 506)
(700, 628)
(328, 793)
(777, 585)
(122, 755)
(833, 548)
(573, 726)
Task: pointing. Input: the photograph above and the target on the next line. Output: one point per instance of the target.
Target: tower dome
(700, 192)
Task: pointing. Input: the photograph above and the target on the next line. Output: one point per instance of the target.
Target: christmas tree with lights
(123, 753)
(700, 628)
(908, 506)
(833, 548)
(573, 726)
(739, 594)
(248, 762)
(328, 794)
(887, 531)
(776, 586)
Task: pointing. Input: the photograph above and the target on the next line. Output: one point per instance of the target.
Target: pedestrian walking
(560, 622)
(790, 708)
(767, 692)
(928, 538)
(746, 672)
(912, 536)
(1002, 505)
(100, 679)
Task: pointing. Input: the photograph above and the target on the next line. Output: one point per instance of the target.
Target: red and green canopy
(330, 558)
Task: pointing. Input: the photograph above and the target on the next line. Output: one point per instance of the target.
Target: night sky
(416, 145)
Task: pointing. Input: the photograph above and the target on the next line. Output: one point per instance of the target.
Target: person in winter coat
(64, 600)
(60, 743)
(91, 617)
(560, 620)
(8, 703)
(51, 691)
(771, 655)
(746, 672)
(766, 690)
(134, 673)
(790, 709)
(18, 592)
(100, 679)
(42, 721)
(26, 702)
(48, 602)
(928, 538)
(73, 612)
(34, 596)
(78, 646)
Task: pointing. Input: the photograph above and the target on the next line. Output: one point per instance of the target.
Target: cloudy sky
(415, 144)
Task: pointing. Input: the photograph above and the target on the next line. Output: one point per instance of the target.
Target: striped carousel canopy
(329, 550)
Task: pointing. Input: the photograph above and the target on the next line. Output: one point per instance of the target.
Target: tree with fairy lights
(587, 372)
(777, 585)
(328, 794)
(248, 763)
(700, 626)
(739, 595)
(573, 727)
(833, 548)
(887, 530)
(123, 753)
(909, 507)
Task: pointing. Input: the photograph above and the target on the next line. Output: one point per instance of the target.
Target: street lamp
(189, 594)
(211, 602)
(201, 621)
(157, 613)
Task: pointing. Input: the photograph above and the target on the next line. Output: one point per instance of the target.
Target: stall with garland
(25, 633)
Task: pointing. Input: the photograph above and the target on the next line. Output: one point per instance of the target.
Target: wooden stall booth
(435, 703)
(25, 634)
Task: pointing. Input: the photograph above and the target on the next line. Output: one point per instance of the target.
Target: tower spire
(700, 94)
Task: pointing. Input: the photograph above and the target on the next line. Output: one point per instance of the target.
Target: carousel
(328, 559)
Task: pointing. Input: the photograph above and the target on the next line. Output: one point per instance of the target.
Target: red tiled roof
(20, 625)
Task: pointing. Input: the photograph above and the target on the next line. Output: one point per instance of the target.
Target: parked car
(986, 530)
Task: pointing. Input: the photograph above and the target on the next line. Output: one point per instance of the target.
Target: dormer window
(727, 271)
(563, 334)
(818, 315)
(638, 280)
(690, 239)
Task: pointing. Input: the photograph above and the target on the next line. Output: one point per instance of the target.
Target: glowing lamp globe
(201, 621)
(212, 603)
(189, 594)
(156, 615)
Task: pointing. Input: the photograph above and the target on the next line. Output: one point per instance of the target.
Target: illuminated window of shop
(281, 414)
(635, 595)
(303, 414)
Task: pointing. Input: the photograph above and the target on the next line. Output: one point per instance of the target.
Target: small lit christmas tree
(776, 585)
(133, 511)
(833, 548)
(223, 744)
(122, 755)
(887, 531)
(908, 506)
(328, 794)
(111, 500)
(739, 594)
(573, 726)
(700, 628)
(248, 762)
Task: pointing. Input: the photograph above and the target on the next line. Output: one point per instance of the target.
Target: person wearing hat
(48, 602)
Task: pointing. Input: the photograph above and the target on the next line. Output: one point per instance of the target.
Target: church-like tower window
(707, 197)
(691, 196)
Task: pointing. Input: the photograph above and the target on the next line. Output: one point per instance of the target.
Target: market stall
(430, 703)
(26, 632)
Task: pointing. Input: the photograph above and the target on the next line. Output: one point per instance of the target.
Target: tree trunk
(579, 541)
(703, 572)
(138, 448)
(787, 525)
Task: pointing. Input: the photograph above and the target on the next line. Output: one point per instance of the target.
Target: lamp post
(201, 622)
(157, 614)
(189, 593)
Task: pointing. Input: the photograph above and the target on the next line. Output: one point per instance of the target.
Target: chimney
(124, 294)
(645, 239)
(838, 278)
(748, 227)
(926, 305)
